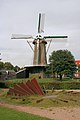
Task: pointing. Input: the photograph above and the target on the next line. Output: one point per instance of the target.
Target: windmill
(39, 42)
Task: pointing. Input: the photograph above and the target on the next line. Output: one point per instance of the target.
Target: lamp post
(0, 58)
(52, 68)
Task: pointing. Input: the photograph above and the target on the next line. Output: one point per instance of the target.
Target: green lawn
(60, 98)
(11, 83)
(51, 99)
(9, 114)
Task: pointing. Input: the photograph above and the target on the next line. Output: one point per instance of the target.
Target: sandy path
(52, 113)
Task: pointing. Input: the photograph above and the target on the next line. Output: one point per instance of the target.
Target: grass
(65, 82)
(11, 83)
(9, 114)
(51, 99)
(57, 99)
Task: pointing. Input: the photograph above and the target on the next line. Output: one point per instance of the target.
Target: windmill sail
(18, 36)
(41, 23)
(59, 38)
(55, 37)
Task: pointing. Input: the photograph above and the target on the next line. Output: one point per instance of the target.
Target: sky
(62, 17)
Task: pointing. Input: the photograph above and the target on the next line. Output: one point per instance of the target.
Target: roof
(34, 66)
(77, 62)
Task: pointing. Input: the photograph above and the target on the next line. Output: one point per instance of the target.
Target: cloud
(62, 17)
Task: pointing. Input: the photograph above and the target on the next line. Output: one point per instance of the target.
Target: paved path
(52, 113)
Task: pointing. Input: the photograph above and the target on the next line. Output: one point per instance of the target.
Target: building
(77, 62)
(7, 74)
(77, 74)
(34, 70)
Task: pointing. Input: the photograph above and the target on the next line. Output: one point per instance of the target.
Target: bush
(62, 85)
(2, 85)
(48, 83)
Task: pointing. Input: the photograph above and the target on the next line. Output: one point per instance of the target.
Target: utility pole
(52, 68)
(0, 58)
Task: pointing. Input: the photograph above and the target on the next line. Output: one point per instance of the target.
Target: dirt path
(52, 113)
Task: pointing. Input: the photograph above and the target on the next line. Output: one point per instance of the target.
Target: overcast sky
(62, 17)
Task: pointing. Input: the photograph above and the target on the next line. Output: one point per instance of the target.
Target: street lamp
(52, 68)
(0, 58)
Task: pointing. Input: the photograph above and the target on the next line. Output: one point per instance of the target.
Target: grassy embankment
(51, 99)
(9, 114)
(50, 83)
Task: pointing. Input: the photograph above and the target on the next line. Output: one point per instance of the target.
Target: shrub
(62, 85)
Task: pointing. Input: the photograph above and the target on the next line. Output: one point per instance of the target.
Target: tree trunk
(60, 76)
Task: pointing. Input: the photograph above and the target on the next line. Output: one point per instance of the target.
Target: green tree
(16, 68)
(1, 65)
(63, 62)
(78, 68)
(8, 66)
(47, 69)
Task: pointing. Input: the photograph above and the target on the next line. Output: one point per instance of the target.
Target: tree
(16, 68)
(8, 66)
(1, 65)
(63, 62)
(78, 66)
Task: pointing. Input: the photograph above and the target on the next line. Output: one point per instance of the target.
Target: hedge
(48, 85)
(3, 85)
(61, 85)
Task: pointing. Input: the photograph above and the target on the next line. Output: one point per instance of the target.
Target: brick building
(77, 74)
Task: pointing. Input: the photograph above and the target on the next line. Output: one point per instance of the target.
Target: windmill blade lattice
(41, 23)
(20, 36)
